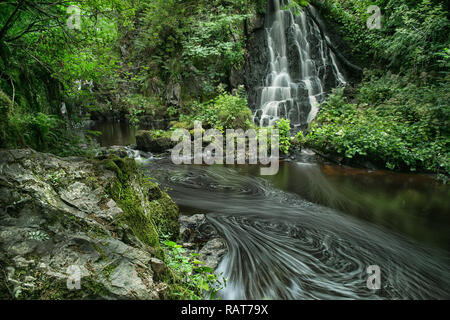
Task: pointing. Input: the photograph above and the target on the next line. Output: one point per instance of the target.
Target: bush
(226, 111)
(197, 280)
(392, 124)
(284, 127)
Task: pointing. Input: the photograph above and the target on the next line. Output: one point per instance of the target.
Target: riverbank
(73, 228)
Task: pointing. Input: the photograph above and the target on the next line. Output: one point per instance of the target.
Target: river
(312, 231)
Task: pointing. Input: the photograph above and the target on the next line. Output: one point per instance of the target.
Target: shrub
(284, 127)
(396, 126)
(226, 111)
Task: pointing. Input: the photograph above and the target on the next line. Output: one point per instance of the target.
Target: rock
(199, 236)
(254, 23)
(105, 152)
(195, 229)
(212, 252)
(153, 141)
(158, 266)
(173, 94)
(64, 220)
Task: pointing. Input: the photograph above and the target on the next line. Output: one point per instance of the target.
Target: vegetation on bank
(398, 116)
(128, 59)
(389, 122)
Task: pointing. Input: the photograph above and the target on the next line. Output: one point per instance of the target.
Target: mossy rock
(148, 211)
(154, 141)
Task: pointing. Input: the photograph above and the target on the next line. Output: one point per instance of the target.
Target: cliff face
(294, 62)
(70, 221)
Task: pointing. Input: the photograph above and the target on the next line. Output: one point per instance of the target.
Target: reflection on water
(115, 133)
(411, 204)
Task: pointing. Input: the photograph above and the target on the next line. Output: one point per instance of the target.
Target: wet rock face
(59, 226)
(199, 236)
(318, 44)
(256, 65)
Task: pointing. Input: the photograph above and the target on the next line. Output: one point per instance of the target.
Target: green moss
(160, 215)
(157, 141)
(5, 105)
(125, 196)
(109, 269)
(52, 289)
(164, 213)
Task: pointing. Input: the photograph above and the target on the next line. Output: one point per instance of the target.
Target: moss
(125, 196)
(5, 106)
(164, 213)
(109, 269)
(46, 288)
(154, 141)
(161, 216)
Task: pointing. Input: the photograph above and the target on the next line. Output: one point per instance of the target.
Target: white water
(282, 96)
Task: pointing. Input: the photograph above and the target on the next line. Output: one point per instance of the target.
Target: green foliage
(195, 43)
(413, 37)
(284, 127)
(198, 281)
(226, 111)
(394, 124)
(296, 6)
(41, 60)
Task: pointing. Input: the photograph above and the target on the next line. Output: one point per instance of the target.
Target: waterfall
(302, 69)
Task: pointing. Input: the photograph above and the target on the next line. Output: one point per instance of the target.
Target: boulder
(199, 236)
(154, 141)
(77, 229)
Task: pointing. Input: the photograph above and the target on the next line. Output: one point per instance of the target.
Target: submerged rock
(77, 229)
(199, 236)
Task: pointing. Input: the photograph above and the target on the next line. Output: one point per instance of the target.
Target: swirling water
(311, 231)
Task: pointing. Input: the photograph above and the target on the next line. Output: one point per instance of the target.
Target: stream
(311, 231)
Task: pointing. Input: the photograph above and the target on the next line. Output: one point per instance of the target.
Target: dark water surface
(311, 231)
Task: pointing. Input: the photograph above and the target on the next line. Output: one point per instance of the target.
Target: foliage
(43, 63)
(413, 37)
(392, 124)
(198, 280)
(284, 127)
(226, 111)
(195, 43)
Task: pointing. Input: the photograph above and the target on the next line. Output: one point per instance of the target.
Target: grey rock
(213, 251)
(158, 266)
(56, 216)
(200, 237)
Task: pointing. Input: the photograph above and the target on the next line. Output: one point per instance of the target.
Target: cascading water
(302, 68)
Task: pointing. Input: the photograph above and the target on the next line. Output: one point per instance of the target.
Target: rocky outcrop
(199, 236)
(77, 229)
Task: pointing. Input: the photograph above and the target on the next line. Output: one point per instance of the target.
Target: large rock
(64, 218)
(154, 141)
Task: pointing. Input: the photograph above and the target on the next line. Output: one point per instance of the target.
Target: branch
(10, 19)
(13, 92)
(27, 30)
